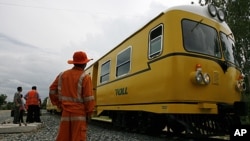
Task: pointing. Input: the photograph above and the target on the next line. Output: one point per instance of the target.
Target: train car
(52, 108)
(178, 73)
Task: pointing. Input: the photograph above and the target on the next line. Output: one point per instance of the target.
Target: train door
(94, 77)
(92, 71)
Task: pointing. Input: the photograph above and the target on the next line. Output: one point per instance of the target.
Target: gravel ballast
(50, 125)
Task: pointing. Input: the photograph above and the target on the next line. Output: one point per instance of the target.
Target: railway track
(199, 138)
(105, 124)
(162, 136)
(101, 131)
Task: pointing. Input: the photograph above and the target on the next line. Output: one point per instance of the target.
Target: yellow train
(177, 73)
(52, 108)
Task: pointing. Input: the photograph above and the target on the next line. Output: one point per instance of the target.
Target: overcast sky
(37, 37)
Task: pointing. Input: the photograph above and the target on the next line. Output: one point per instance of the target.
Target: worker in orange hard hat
(72, 92)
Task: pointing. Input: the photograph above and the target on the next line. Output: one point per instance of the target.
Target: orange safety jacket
(32, 98)
(72, 91)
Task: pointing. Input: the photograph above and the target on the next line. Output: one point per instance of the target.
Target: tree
(9, 105)
(239, 22)
(2, 99)
(44, 103)
(238, 19)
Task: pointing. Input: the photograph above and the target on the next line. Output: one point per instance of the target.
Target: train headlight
(240, 84)
(198, 78)
(206, 78)
(221, 14)
(212, 10)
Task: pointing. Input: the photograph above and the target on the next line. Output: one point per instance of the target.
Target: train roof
(196, 9)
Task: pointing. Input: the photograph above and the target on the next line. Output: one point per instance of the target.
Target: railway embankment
(49, 127)
(47, 131)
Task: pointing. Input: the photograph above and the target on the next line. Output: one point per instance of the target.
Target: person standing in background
(72, 92)
(22, 110)
(33, 100)
(17, 104)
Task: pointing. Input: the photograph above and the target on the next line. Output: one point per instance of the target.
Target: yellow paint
(168, 77)
(51, 107)
(200, 108)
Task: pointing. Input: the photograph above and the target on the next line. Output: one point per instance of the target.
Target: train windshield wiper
(230, 34)
(196, 25)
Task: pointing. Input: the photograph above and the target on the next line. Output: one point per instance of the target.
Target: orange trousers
(72, 127)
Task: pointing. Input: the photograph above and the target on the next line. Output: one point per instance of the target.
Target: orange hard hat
(79, 57)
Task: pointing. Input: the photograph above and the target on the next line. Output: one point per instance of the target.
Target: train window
(123, 62)
(200, 38)
(155, 41)
(228, 48)
(105, 70)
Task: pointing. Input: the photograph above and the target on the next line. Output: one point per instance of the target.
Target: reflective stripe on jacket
(72, 90)
(79, 118)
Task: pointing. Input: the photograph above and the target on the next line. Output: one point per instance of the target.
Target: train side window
(105, 70)
(155, 42)
(123, 62)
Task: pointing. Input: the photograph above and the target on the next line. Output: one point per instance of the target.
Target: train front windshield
(203, 39)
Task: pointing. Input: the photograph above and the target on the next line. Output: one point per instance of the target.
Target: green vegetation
(4, 105)
(238, 19)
